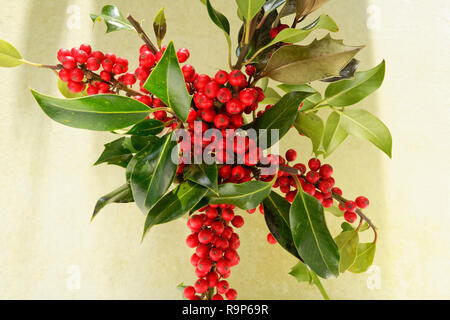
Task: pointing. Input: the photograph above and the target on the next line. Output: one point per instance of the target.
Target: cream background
(49, 187)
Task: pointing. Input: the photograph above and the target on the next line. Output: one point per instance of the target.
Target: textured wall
(48, 185)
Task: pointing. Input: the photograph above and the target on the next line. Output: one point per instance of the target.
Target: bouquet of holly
(206, 145)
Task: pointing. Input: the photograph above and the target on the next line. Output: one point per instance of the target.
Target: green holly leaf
(335, 211)
(103, 112)
(312, 237)
(147, 127)
(249, 8)
(120, 195)
(247, 195)
(364, 257)
(347, 242)
(160, 27)
(203, 174)
(271, 96)
(151, 172)
(347, 92)
(280, 117)
(333, 134)
(9, 56)
(301, 272)
(310, 101)
(362, 124)
(321, 59)
(167, 83)
(276, 214)
(310, 125)
(113, 19)
(175, 204)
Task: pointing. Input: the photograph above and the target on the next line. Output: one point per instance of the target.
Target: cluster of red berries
(216, 244)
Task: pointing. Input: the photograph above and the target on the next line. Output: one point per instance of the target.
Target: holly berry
(231, 294)
(189, 292)
(350, 216)
(237, 221)
(314, 164)
(201, 285)
(362, 202)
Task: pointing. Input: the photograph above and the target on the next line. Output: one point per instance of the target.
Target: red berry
(327, 203)
(211, 212)
(238, 173)
(183, 54)
(236, 78)
(223, 286)
(192, 240)
(129, 79)
(291, 155)
(147, 59)
(204, 265)
(301, 167)
(188, 72)
(350, 206)
(213, 279)
(350, 216)
(194, 260)
(86, 48)
(290, 196)
(217, 297)
(227, 214)
(189, 292)
(222, 244)
(223, 266)
(237, 120)
(64, 75)
(224, 95)
(76, 75)
(217, 227)
(221, 121)
(75, 86)
(69, 62)
(205, 236)
(309, 188)
(312, 177)
(91, 90)
(62, 53)
(250, 69)
(105, 75)
(119, 68)
(362, 202)
(237, 221)
(221, 77)
(271, 239)
(225, 171)
(211, 89)
(202, 250)
(201, 285)
(80, 56)
(92, 64)
(231, 294)
(314, 164)
(337, 191)
(326, 171)
(215, 254)
(248, 96)
(201, 81)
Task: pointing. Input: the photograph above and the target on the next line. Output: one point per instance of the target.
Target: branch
(142, 34)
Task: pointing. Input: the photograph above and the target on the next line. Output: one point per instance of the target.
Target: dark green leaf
(302, 64)
(301, 272)
(311, 126)
(280, 117)
(333, 134)
(119, 152)
(120, 195)
(348, 72)
(310, 101)
(113, 18)
(346, 226)
(152, 172)
(9, 55)
(362, 124)
(348, 92)
(364, 257)
(167, 83)
(276, 213)
(175, 204)
(312, 237)
(103, 112)
(347, 242)
(147, 127)
(247, 195)
(160, 26)
(203, 174)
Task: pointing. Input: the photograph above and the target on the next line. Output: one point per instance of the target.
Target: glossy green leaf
(276, 214)
(345, 226)
(362, 124)
(152, 172)
(102, 112)
(312, 237)
(203, 174)
(147, 127)
(9, 56)
(167, 83)
(333, 134)
(175, 204)
(113, 18)
(364, 257)
(347, 242)
(160, 27)
(221, 21)
(301, 272)
(247, 195)
(347, 92)
(310, 101)
(119, 152)
(271, 96)
(302, 64)
(305, 7)
(249, 8)
(62, 87)
(310, 125)
(290, 35)
(272, 5)
(120, 195)
(280, 117)
(335, 211)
